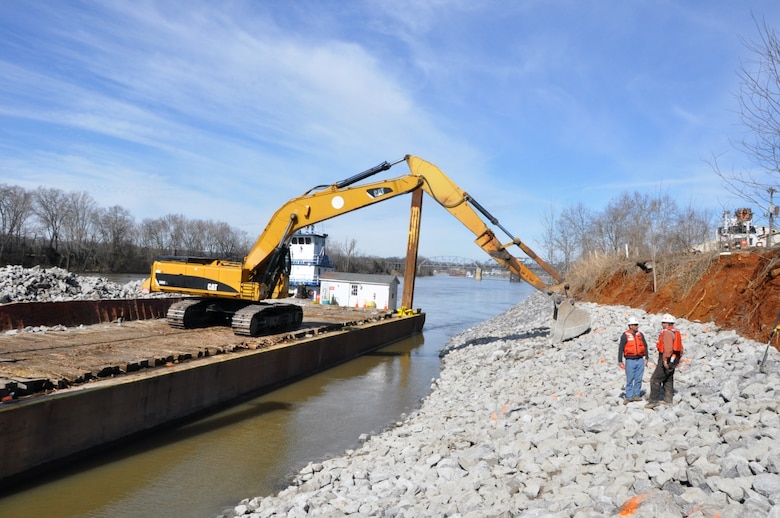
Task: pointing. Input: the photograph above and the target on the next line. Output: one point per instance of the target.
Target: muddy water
(200, 468)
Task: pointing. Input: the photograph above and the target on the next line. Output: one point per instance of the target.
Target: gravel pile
(516, 426)
(18, 284)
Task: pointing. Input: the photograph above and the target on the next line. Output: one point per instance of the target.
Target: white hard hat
(633, 321)
(667, 318)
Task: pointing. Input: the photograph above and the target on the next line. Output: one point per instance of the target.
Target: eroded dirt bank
(739, 291)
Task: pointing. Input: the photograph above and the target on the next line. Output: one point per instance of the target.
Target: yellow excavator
(232, 293)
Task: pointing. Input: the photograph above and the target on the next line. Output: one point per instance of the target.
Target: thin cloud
(226, 111)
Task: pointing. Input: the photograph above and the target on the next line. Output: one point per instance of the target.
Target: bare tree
(577, 223)
(175, 231)
(152, 235)
(759, 112)
(50, 206)
(638, 223)
(78, 230)
(566, 246)
(692, 229)
(194, 234)
(548, 237)
(665, 223)
(635, 224)
(343, 255)
(615, 222)
(116, 228)
(350, 252)
(15, 210)
(224, 241)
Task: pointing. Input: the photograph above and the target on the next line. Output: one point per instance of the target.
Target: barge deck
(35, 363)
(70, 392)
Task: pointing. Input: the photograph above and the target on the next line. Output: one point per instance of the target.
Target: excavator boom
(232, 292)
(569, 321)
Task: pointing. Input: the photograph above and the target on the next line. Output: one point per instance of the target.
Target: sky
(226, 110)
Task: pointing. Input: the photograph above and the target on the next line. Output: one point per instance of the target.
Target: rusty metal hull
(18, 315)
(48, 430)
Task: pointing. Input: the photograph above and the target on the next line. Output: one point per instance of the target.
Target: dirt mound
(739, 291)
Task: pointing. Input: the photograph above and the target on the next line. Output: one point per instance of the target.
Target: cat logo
(379, 192)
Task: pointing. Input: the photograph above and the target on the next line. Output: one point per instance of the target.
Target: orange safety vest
(634, 347)
(678, 346)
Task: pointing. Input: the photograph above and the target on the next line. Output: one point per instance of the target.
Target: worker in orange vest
(633, 347)
(670, 350)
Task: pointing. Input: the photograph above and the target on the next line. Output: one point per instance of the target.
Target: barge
(71, 392)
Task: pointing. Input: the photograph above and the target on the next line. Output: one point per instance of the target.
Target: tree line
(632, 224)
(345, 257)
(52, 227)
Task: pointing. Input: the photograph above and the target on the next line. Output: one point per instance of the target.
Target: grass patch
(592, 274)
(588, 276)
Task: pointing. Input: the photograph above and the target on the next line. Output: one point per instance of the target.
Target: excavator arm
(464, 208)
(569, 321)
(228, 288)
(335, 200)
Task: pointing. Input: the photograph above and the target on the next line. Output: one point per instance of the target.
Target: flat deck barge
(66, 393)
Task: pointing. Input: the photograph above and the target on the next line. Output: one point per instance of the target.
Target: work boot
(626, 401)
(652, 404)
(637, 399)
(668, 399)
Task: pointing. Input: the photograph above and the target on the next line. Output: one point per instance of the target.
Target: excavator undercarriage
(246, 319)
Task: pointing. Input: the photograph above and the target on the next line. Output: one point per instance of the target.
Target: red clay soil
(740, 291)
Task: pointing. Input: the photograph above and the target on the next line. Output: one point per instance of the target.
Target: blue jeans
(635, 369)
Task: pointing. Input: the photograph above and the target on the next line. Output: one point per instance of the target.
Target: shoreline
(515, 426)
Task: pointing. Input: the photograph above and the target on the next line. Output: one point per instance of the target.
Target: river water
(200, 468)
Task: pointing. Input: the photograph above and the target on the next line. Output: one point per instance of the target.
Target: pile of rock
(518, 426)
(18, 284)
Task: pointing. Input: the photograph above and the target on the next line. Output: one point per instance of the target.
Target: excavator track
(187, 314)
(262, 319)
(246, 319)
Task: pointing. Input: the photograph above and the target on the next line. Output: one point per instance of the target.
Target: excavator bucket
(569, 321)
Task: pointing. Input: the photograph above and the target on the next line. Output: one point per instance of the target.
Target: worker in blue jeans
(633, 348)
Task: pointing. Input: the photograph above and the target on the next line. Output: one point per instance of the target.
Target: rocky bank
(518, 427)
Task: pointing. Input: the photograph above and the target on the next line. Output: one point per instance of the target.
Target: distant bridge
(450, 265)
(440, 263)
(454, 265)
(443, 262)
